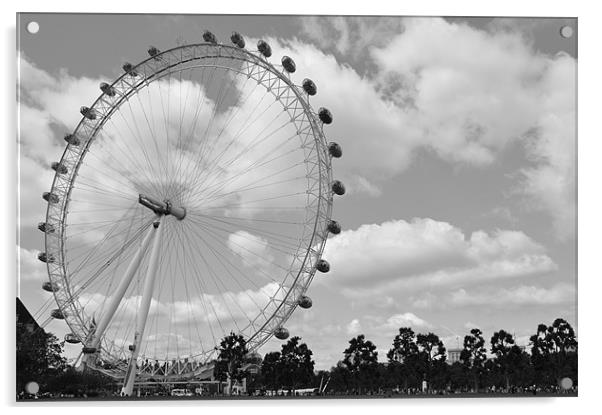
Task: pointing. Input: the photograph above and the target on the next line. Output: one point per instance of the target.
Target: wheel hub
(162, 208)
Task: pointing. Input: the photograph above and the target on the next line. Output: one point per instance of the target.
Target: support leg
(149, 283)
(118, 295)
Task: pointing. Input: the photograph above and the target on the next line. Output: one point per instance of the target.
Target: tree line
(415, 361)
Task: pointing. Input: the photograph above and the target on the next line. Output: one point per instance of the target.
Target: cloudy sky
(459, 159)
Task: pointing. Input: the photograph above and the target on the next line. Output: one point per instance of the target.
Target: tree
(232, 352)
(403, 357)
(473, 355)
(460, 379)
(270, 370)
(501, 346)
(519, 368)
(541, 348)
(431, 358)
(430, 347)
(296, 366)
(73, 381)
(404, 345)
(361, 360)
(38, 356)
(554, 352)
(562, 336)
(340, 379)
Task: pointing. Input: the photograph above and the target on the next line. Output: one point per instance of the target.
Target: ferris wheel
(193, 200)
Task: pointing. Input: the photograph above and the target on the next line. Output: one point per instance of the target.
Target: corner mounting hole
(33, 27)
(566, 32)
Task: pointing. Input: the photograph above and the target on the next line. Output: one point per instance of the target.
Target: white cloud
(464, 93)
(199, 318)
(34, 179)
(228, 306)
(46, 101)
(160, 344)
(376, 142)
(253, 250)
(524, 341)
(405, 320)
(560, 293)
(425, 93)
(94, 303)
(32, 269)
(551, 184)
(359, 184)
(399, 255)
(206, 307)
(58, 97)
(424, 301)
(461, 103)
(350, 35)
(354, 327)
(470, 325)
(523, 295)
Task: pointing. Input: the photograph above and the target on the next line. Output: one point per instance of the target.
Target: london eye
(192, 200)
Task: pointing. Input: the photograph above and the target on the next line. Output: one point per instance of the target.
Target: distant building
(453, 355)
(251, 368)
(252, 363)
